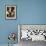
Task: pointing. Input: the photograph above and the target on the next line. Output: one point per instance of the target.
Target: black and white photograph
(10, 12)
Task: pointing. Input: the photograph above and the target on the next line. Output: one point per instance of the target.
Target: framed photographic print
(10, 11)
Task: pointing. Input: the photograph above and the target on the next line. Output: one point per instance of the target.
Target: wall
(7, 26)
(34, 12)
(28, 12)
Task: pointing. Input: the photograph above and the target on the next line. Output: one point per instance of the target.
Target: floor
(30, 43)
